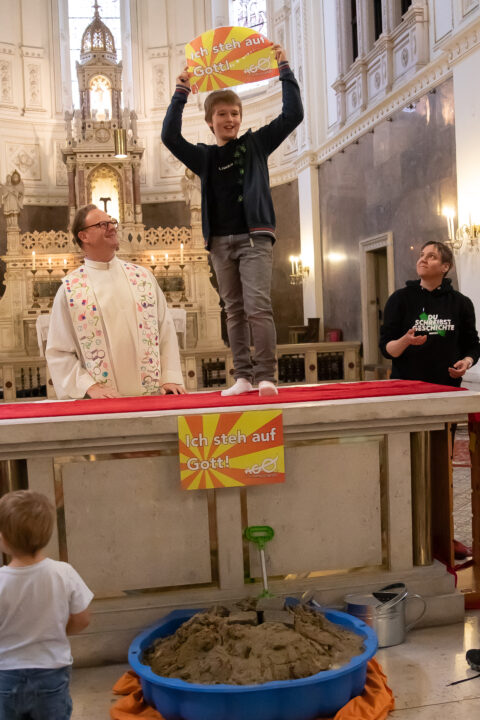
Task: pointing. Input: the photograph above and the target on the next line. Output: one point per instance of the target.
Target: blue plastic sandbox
(319, 695)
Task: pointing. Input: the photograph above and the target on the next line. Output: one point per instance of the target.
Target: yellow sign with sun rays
(234, 449)
(227, 56)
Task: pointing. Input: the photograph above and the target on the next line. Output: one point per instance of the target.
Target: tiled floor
(91, 691)
(418, 673)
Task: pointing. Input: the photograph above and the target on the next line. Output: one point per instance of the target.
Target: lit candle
(64, 262)
(166, 258)
(181, 253)
(292, 261)
(33, 259)
(152, 259)
(49, 262)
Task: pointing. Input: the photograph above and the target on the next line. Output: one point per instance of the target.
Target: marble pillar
(311, 244)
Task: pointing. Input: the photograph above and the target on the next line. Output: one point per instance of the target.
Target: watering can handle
(413, 597)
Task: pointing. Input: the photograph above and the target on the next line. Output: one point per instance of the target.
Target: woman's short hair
(446, 254)
(79, 221)
(26, 520)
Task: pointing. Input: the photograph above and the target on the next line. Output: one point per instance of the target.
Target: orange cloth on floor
(374, 703)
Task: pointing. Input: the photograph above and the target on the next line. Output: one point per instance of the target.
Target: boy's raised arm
(188, 153)
(273, 134)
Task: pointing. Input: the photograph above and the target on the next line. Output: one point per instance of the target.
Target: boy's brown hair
(26, 520)
(220, 96)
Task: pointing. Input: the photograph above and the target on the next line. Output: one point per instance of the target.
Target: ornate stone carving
(159, 85)
(399, 50)
(468, 6)
(158, 238)
(34, 88)
(6, 92)
(44, 241)
(193, 196)
(169, 164)
(291, 143)
(12, 198)
(61, 177)
(26, 158)
(102, 135)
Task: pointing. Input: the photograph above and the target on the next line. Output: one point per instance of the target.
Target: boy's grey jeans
(243, 266)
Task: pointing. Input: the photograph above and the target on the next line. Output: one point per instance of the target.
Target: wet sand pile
(252, 646)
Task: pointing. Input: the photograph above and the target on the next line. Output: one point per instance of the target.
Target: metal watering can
(384, 611)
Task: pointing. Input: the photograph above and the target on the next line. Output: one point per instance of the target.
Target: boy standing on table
(41, 601)
(238, 220)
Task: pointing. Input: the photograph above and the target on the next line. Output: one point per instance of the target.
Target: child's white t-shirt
(35, 604)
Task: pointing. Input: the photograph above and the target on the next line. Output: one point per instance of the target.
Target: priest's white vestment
(115, 304)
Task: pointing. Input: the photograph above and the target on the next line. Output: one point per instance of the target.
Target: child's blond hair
(220, 96)
(26, 521)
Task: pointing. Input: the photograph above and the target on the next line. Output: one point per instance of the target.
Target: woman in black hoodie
(429, 328)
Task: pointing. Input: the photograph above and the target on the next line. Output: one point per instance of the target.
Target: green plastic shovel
(260, 535)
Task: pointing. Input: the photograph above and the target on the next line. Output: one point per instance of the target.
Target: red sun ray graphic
(229, 56)
(231, 449)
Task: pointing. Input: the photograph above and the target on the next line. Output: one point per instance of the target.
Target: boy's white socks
(242, 385)
(266, 388)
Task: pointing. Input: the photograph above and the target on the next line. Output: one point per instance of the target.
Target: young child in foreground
(238, 219)
(41, 602)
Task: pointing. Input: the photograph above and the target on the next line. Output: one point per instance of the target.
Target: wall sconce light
(449, 213)
(467, 235)
(120, 142)
(299, 271)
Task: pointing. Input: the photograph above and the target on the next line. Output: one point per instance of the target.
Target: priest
(111, 334)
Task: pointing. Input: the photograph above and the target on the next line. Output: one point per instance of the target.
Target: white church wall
(31, 98)
(467, 123)
(331, 58)
(35, 87)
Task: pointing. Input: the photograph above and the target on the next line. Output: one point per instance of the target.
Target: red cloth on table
(180, 403)
(374, 703)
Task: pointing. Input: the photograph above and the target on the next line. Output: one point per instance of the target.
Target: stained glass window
(252, 14)
(80, 15)
(249, 13)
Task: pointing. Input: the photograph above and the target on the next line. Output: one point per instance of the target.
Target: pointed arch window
(101, 97)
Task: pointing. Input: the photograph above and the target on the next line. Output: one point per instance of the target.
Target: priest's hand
(98, 391)
(172, 389)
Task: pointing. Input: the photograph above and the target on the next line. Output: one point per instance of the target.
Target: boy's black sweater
(257, 199)
(446, 316)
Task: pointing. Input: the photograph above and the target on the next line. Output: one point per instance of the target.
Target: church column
(136, 192)
(467, 119)
(71, 191)
(81, 185)
(311, 243)
(128, 216)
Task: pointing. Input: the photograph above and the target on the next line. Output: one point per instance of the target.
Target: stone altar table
(342, 519)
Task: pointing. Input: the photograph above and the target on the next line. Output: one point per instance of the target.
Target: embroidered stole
(89, 329)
